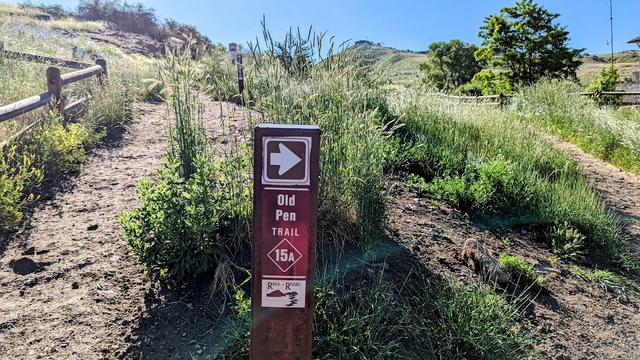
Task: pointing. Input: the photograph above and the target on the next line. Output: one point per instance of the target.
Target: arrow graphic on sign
(285, 159)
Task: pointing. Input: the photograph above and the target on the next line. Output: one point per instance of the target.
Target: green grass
(504, 174)
(604, 279)
(520, 271)
(611, 135)
(348, 104)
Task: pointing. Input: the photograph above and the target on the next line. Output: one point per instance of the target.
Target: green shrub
(607, 81)
(18, 178)
(194, 215)
(488, 82)
(566, 241)
(185, 227)
(473, 322)
(504, 174)
(108, 108)
(520, 271)
(57, 149)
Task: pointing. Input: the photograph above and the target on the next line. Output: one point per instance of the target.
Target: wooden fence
(54, 97)
(501, 100)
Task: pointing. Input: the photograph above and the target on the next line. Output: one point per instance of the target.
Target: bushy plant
(186, 226)
(57, 149)
(520, 271)
(604, 279)
(18, 178)
(488, 82)
(194, 215)
(606, 81)
(566, 241)
(504, 174)
(108, 108)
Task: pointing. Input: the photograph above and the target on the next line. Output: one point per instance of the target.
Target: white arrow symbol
(286, 159)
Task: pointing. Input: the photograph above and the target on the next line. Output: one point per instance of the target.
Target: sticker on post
(283, 293)
(284, 255)
(286, 160)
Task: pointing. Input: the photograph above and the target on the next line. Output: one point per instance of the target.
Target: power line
(611, 30)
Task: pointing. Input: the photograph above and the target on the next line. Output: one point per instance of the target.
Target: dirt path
(69, 290)
(619, 189)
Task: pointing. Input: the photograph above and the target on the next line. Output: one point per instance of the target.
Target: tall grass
(347, 103)
(611, 135)
(194, 214)
(503, 173)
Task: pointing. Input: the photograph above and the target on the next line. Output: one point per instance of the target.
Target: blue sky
(401, 24)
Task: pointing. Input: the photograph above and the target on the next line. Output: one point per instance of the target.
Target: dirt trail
(68, 288)
(619, 189)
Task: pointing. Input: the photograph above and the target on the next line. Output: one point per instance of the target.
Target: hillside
(402, 65)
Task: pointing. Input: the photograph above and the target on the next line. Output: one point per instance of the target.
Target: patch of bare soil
(571, 319)
(69, 289)
(619, 189)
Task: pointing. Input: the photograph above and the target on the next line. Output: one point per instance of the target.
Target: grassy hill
(627, 61)
(402, 65)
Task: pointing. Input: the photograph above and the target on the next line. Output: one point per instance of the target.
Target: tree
(525, 44)
(607, 81)
(450, 64)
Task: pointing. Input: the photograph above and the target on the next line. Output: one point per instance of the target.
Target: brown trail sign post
(286, 173)
(240, 74)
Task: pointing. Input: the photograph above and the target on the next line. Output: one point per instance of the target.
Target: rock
(23, 266)
(29, 251)
(75, 285)
(92, 227)
(546, 269)
(477, 257)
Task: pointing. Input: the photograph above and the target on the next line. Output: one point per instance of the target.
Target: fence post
(54, 85)
(1, 51)
(102, 78)
(501, 100)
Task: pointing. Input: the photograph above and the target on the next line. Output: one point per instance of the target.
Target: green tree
(525, 43)
(450, 64)
(607, 81)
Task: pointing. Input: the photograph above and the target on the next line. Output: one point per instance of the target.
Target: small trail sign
(240, 73)
(286, 173)
(233, 52)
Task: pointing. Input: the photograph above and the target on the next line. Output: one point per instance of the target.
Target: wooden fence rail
(500, 100)
(15, 55)
(54, 97)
